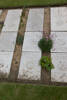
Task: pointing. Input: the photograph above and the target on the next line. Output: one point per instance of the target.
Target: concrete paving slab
(59, 73)
(31, 41)
(59, 19)
(5, 63)
(59, 41)
(7, 41)
(29, 66)
(35, 20)
(0, 12)
(12, 20)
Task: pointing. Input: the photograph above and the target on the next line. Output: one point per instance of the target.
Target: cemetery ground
(33, 51)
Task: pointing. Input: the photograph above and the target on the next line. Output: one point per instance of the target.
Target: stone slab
(29, 66)
(5, 63)
(35, 20)
(12, 20)
(7, 41)
(0, 12)
(59, 41)
(59, 73)
(59, 19)
(31, 41)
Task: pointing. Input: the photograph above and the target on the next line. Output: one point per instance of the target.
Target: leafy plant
(46, 63)
(20, 39)
(45, 45)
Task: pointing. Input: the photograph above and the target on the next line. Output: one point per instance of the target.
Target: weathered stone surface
(0, 12)
(31, 41)
(35, 20)
(59, 41)
(59, 73)
(29, 66)
(7, 41)
(31, 54)
(12, 20)
(59, 19)
(5, 63)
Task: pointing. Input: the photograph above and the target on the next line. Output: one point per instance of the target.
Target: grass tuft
(20, 39)
(45, 45)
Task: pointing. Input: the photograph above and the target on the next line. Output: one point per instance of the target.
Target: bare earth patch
(2, 18)
(45, 75)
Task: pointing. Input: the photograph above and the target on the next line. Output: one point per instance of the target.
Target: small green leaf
(46, 63)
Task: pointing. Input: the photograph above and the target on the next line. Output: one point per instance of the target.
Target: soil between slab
(18, 48)
(2, 18)
(45, 75)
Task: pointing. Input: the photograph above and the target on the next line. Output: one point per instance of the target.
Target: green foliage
(30, 3)
(14, 91)
(45, 45)
(20, 39)
(46, 63)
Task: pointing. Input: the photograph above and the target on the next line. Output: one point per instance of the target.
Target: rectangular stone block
(7, 41)
(59, 73)
(29, 66)
(35, 20)
(12, 20)
(31, 40)
(59, 19)
(0, 12)
(5, 63)
(59, 41)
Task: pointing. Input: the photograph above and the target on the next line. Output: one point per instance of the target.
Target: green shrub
(45, 45)
(46, 63)
(20, 39)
